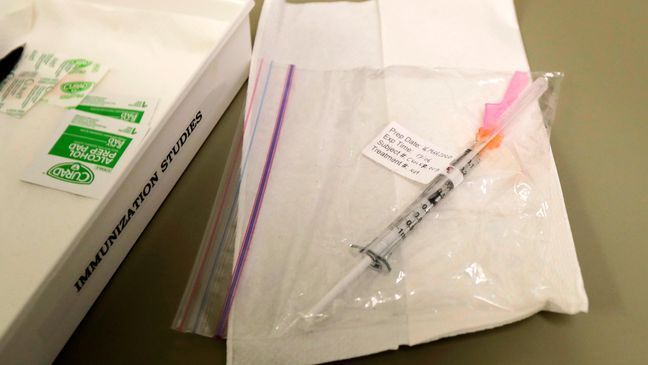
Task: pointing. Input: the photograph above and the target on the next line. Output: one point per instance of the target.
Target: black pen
(10, 61)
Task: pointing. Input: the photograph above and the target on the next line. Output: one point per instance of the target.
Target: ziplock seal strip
(258, 201)
(195, 285)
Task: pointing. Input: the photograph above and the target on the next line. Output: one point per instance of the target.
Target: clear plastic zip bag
(496, 250)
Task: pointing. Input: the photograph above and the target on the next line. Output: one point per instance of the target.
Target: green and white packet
(86, 155)
(77, 84)
(34, 76)
(129, 109)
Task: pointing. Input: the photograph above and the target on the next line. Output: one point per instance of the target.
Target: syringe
(380, 248)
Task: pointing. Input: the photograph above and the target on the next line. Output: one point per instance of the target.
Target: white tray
(53, 261)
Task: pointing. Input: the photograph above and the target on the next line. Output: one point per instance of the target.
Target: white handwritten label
(407, 154)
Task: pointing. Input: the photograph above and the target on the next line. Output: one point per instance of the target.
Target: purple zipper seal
(256, 208)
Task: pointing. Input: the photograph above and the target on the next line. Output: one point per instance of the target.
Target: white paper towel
(471, 34)
(477, 34)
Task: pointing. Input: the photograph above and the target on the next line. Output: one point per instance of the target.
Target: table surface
(597, 142)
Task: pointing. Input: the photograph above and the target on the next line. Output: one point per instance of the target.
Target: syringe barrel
(381, 247)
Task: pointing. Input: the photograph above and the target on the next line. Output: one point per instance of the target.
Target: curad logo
(72, 172)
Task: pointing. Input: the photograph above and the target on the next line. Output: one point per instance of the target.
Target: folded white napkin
(498, 250)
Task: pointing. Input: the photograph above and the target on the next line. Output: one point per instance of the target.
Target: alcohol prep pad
(86, 154)
(136, 110)
(35, 75)
(77, 84)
